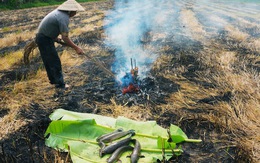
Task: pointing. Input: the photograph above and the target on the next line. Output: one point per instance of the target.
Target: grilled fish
(115, 135)
(117, 153)
(136, 152)
(109, 134)
(112, 147)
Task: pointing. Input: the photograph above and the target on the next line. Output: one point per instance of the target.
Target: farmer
(54, 24)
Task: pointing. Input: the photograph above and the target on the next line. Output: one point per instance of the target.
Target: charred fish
(109, 134)
(136, 152)
(117, 153)
(112, 147)
(115, 135)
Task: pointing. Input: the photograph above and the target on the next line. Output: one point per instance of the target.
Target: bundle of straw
(28, 49)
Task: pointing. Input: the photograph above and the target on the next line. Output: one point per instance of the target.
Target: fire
(130, 80)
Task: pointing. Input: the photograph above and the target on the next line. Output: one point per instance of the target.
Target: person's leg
(51, 60)
(54, 65)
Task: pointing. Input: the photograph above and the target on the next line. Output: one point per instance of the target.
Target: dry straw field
(207, 72)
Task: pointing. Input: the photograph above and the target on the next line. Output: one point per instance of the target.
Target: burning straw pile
(136, 90)
(132, 89)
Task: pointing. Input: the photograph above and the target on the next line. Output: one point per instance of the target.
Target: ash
(152, 91)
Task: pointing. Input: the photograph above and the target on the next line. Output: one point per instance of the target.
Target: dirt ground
(177, 95)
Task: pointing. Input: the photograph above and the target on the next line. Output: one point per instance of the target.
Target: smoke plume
(133, 27)
(128, 27)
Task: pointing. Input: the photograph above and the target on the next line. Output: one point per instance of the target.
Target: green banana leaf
(76, 133)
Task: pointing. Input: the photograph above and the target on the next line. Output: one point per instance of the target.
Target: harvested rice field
(198, 68)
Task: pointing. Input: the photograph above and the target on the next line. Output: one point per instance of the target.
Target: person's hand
(79, 50)
(58, 40)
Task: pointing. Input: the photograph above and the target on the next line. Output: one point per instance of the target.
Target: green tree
(13, 3)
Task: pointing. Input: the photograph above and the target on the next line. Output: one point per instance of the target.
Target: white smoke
(131, 21)
(127, 25)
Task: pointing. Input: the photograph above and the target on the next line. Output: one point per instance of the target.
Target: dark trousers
(50, 59)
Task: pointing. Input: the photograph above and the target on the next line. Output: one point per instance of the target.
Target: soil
(27, 143)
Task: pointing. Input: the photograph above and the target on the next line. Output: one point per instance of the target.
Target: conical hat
(71, 5)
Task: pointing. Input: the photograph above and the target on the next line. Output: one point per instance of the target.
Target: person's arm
(70, 43)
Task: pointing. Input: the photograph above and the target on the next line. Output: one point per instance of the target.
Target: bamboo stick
(29, 47)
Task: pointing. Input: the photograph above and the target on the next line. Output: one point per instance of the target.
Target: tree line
(16, 4)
